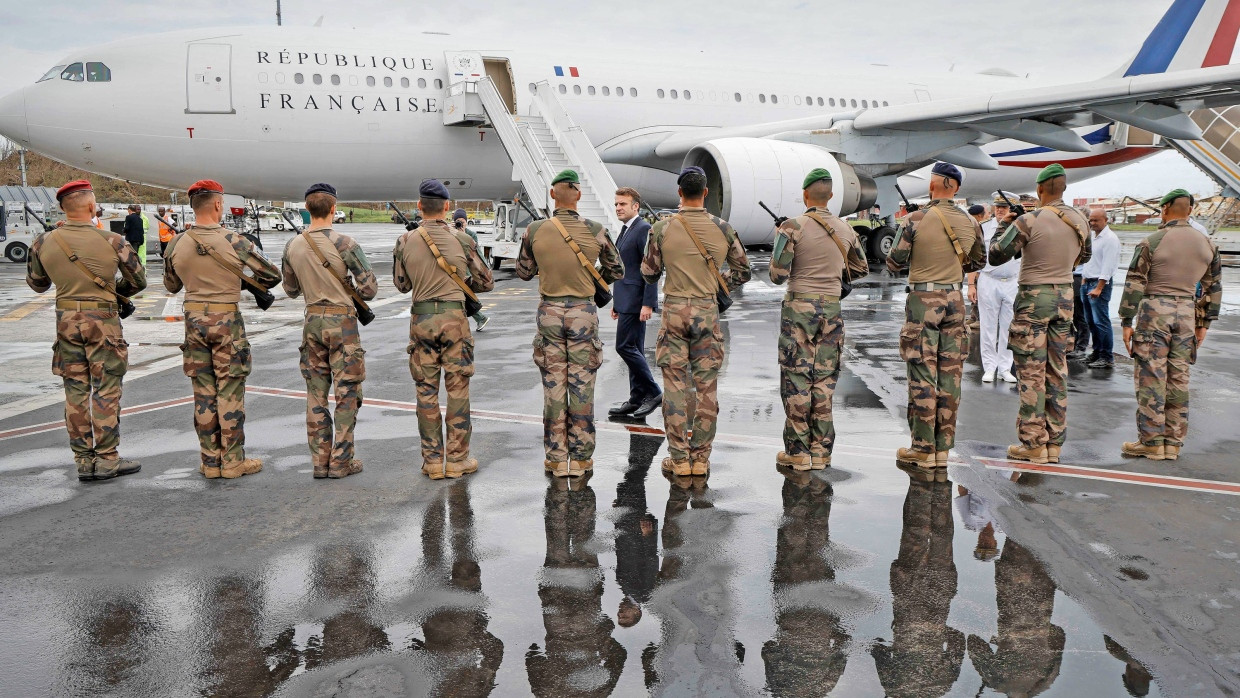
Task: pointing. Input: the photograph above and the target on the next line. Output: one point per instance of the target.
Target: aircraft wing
(1156, 102)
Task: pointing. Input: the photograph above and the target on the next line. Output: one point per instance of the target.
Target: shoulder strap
(227, 266)
(710, 261)
(348, 287)
(443, 264)
(581, 256)
(951, 234)
(99, 281)
(838, 242)
(1081, 234)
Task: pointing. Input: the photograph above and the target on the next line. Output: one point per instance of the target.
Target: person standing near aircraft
(460, 219)
(814, 253)
(561, 251)
(993, 290)
(331, 348)
(1096, 289)
(216, 352)
(939, 243)
(1170, 324)
(165, 231)
(427, 263)
(1053, 239)
(690, 344)
(635, 303)
(90, 354)
(135, 232)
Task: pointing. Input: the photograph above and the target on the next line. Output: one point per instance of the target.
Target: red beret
(206, 185)
(75, 185)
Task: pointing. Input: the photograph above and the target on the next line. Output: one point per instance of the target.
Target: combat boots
(352, 467)
(210, 472)
(1052, 453)
(683, 468)
(699, 467)
(577, 468)
(108, 469)
(434, 469)
(1022, 452)
(557, 468)
(1171, 452)
(457, 468)
(249, 466)
(1136, 449)
(801, 462)
(922, 459)
(85, 467)
(820, 462)
(940, 458)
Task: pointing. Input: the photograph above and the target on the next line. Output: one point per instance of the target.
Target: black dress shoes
(624, 409)
(648, 405)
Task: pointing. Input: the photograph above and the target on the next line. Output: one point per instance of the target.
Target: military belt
(329, 310)
(1065, 284)
(202, 306)
(436, 307)
(811, 297)
(84, 305)
(690, 300)
(566, 299)
(933, 287)
(1171, 296)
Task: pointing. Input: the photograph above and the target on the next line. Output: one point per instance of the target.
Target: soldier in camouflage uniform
(90, 354)
(216, 352)
(939, 244)
(331, 349)
(1170, 324)
(439, 337)
(689, 347)
(1052, 240)
(810, 255)
(567, 349)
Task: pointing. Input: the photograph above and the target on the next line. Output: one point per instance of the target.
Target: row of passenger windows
(317, 79)
(737, 96)
(93, 71)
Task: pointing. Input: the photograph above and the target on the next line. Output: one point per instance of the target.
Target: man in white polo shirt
(1096, 290)
(994, 290)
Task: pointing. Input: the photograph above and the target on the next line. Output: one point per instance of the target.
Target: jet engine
(740, 172)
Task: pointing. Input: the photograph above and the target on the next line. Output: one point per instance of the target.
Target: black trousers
(1080, 325)
(631, 345)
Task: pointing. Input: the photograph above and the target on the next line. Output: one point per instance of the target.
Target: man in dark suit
(134, 233)
(634, 303)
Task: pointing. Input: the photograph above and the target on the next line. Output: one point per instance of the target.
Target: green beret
(1050, 171)
(1173, 195)
(569, 176)
(815, 175)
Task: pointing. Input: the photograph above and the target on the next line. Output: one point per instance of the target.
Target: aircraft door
(208, 79)
(464, 66)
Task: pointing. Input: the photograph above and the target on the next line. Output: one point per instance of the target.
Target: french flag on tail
(572, 69)
(1192, 34)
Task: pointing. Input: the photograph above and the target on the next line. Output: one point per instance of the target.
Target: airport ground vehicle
(18, 231)
(876, 237)
(503, 241)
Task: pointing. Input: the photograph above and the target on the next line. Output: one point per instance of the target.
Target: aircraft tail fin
(1192, 34)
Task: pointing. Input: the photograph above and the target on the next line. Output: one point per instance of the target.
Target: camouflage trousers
(331, 352)
(811, 336)
(441, 343)
(1163, 340)
(91, 356)
(568, 352)
(689, 349)
(216, 357)
(1040, 337)
(934, 343)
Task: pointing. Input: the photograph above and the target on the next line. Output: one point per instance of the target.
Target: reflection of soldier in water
(110, 642)
(466, 655)
(579, 656)
(924, 656)
(342, 576)
(809, 652)
(238, 663)
(637, 532)
(1025, 658)
(1136, 677)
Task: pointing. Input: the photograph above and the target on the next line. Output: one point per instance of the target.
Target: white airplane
(269, 110)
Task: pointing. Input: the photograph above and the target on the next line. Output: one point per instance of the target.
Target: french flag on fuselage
(572, 71)
(1192, 34)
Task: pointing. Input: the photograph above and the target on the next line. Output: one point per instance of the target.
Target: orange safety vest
(165, 233)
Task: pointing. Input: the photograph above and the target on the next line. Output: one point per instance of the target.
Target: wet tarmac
(861, 580)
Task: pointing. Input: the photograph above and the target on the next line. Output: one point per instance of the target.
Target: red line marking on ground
(125, 411)
(1168, 481)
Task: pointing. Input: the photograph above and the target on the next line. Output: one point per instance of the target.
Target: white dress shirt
(1105, 259)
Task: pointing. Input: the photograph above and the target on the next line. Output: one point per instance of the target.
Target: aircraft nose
(13, 117)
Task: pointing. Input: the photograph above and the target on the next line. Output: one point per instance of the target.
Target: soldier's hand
(1010, 217)
(779, 222)
(1201, 335)
(1128, 340)
(972, 293)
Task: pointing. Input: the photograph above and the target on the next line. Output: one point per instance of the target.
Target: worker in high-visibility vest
(165, 231)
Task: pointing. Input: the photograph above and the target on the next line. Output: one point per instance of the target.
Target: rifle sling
(581, 256)
(710, 261)
(838, 243)
(215, 256)
(448, 268)
(348, 287)
(951, 234)
(98, 281)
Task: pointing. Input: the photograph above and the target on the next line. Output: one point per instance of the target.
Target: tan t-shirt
(1053, 247)
(818, 264)
(429, 281)
(688, 274)
(204, 279)
(94, 248)
(318, 285)
(1180, 261)
(934, 258)
(560, 273)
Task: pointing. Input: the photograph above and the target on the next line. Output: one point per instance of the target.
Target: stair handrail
(578, 149)
(519, 142)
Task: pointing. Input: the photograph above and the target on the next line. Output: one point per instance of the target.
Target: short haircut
(693, 185)
(430, 205)
(631, 193)
(135, 207)
(1056, 185)
(560, 192)
(75, 200)
(819, 192)
(201, 200)
(319, 204)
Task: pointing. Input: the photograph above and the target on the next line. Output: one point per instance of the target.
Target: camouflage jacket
(265, 273)
(786, 246)
(1211, 285)
(351, 253)
(611, 268)
(738, 270)
(901, 253)
(132, 274)
(1010, 238)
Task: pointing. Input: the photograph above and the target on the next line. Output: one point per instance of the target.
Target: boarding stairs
(540, 145)
(1217, 155)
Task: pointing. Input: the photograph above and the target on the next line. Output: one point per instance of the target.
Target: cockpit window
(98, 72)
(51, 74)
(73, 73)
